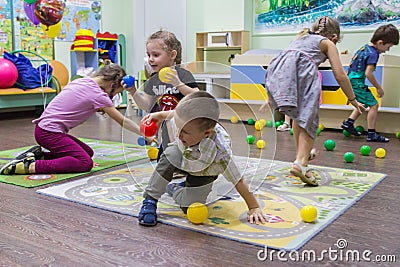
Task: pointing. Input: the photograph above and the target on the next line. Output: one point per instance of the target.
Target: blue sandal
(148, 213)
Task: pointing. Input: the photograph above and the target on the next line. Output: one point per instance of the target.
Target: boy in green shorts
(201, 152)
(362, 66)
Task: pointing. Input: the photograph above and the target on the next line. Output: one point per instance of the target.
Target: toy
(141, 141)
(250, 121)
(8, 73)
(365, 150)
(277, 124)
(49, 12)
(129, 80)
(197, 213)
(329, 145)
(250, 139)
(397, 134)
(291, 131)
(348, 157)
(269, 123)
(308, 213)
(360, 129)
(318, 131)
(263, 122)
(258, 125)
(321, 126)
(234, 119)
(346, 133)
(260, 144)
(152, 153)
(162, 74)
(380, 153)
(148, 129)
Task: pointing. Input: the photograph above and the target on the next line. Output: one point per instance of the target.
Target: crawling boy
(201, 153)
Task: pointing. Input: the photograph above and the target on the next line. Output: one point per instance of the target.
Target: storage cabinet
(105, 51)
(220, 47)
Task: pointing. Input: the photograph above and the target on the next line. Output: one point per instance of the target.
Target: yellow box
(339, 98)
(248, 92)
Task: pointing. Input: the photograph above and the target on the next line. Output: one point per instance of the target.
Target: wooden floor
(37, 230)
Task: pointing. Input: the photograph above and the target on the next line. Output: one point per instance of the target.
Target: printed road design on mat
(281, 197)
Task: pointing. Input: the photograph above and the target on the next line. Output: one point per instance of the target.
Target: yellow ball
(263, 122)
(258, 125)
(197, 213)
(321, 127)
(380, 153)
(260, 144)
(152, 152)
(162, 73)
(308, 213)
(234, 119)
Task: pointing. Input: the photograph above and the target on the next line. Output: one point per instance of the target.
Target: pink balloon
(30, 13)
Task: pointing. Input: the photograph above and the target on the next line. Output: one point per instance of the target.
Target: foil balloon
(30, 13)
(49, 12)
(52, 31)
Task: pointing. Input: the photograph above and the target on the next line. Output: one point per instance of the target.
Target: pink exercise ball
(8, 73)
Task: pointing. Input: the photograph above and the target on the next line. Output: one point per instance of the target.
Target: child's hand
(132, 90)
(150, 140)
(256, 216)
(173, 77)
(360, 107)
(151, 117)
(380, 92)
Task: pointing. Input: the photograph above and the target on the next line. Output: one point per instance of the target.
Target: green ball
(269, 124)
(250, 121)
(360, 129)
(397, 134)
(348, 157)
(291, 131)
(365, 150)
(250, 139)
(329, 145)
(318, 131)
(278, 123)
(346, 133)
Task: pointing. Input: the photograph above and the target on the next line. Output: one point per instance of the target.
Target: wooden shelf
(220, 47)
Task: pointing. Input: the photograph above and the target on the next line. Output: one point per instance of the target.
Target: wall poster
(79, 14)
(280, 16)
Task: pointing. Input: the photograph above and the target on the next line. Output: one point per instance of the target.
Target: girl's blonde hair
(168, 42)
(324, 26)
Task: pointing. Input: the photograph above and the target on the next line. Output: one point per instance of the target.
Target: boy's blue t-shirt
(366, 55)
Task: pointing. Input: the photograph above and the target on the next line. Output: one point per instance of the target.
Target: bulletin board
(273, 16)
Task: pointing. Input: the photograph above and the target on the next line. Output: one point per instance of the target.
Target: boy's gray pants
(197, 187)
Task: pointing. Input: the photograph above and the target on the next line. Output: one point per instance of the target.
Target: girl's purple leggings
(67, 153)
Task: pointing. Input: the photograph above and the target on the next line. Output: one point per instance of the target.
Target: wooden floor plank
(38, 230)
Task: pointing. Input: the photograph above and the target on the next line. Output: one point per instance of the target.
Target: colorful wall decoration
(5, 26)
(28, 36)
(79, 14)
(277, 16)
